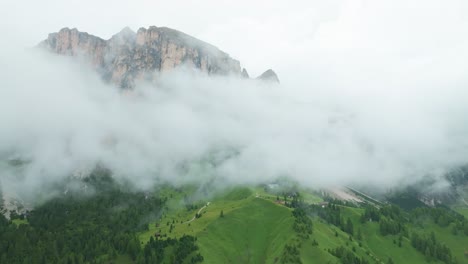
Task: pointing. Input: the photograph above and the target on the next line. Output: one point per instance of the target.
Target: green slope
(382, 247)
(255, 233)
(458, 244)
(256, 229)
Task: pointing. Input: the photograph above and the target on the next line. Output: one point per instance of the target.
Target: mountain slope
(255, 233)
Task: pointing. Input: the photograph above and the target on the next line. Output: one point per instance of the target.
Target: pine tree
(349, 227)
(359, 234)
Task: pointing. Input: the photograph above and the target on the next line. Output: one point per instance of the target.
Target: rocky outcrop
(269, 76)
(72, 42)
(245, 74)
(128, 55)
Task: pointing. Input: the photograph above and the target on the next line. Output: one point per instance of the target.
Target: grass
(19, 222)
(178, 216)
(382, 247)
(324, 234)
(461, 209)
(457, 243)
(255, 229)
(255, 233)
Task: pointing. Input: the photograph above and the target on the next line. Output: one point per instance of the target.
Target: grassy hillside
(458, 244)
(256, 228)
(261, 224)
(382, 247)
(254, 233)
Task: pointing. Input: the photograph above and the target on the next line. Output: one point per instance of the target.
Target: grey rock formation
(270, 76)
(245, 74)
(129, 56)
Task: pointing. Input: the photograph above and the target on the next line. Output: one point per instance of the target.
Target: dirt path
(199, 211)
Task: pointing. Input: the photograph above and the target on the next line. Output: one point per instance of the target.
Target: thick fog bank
(59, 118)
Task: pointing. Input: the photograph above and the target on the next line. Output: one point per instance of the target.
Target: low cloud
(59, 117)
(372, 93)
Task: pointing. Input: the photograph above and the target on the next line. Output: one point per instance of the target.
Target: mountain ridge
(129, 56)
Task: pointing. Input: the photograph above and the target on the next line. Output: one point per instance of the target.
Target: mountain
(269, 75)
(129, 56)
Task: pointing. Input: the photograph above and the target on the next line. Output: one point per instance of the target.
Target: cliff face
(129, 56)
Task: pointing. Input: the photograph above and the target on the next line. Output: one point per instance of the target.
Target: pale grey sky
(287, 36)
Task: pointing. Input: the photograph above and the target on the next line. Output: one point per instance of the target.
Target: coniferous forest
(98, 228)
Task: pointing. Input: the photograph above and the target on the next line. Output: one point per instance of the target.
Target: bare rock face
(72, 42)
(129, 56)
(269, 76)
(245, 74)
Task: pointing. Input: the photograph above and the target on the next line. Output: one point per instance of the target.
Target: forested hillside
(113, 224)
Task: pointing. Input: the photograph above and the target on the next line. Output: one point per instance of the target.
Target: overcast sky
(288, 36)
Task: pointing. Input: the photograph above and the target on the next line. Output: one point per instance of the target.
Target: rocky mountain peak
(128, 56)
(126, 35)
(126, 31)
(269, 75)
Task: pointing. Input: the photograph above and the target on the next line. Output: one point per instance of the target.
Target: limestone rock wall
(128, 56)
